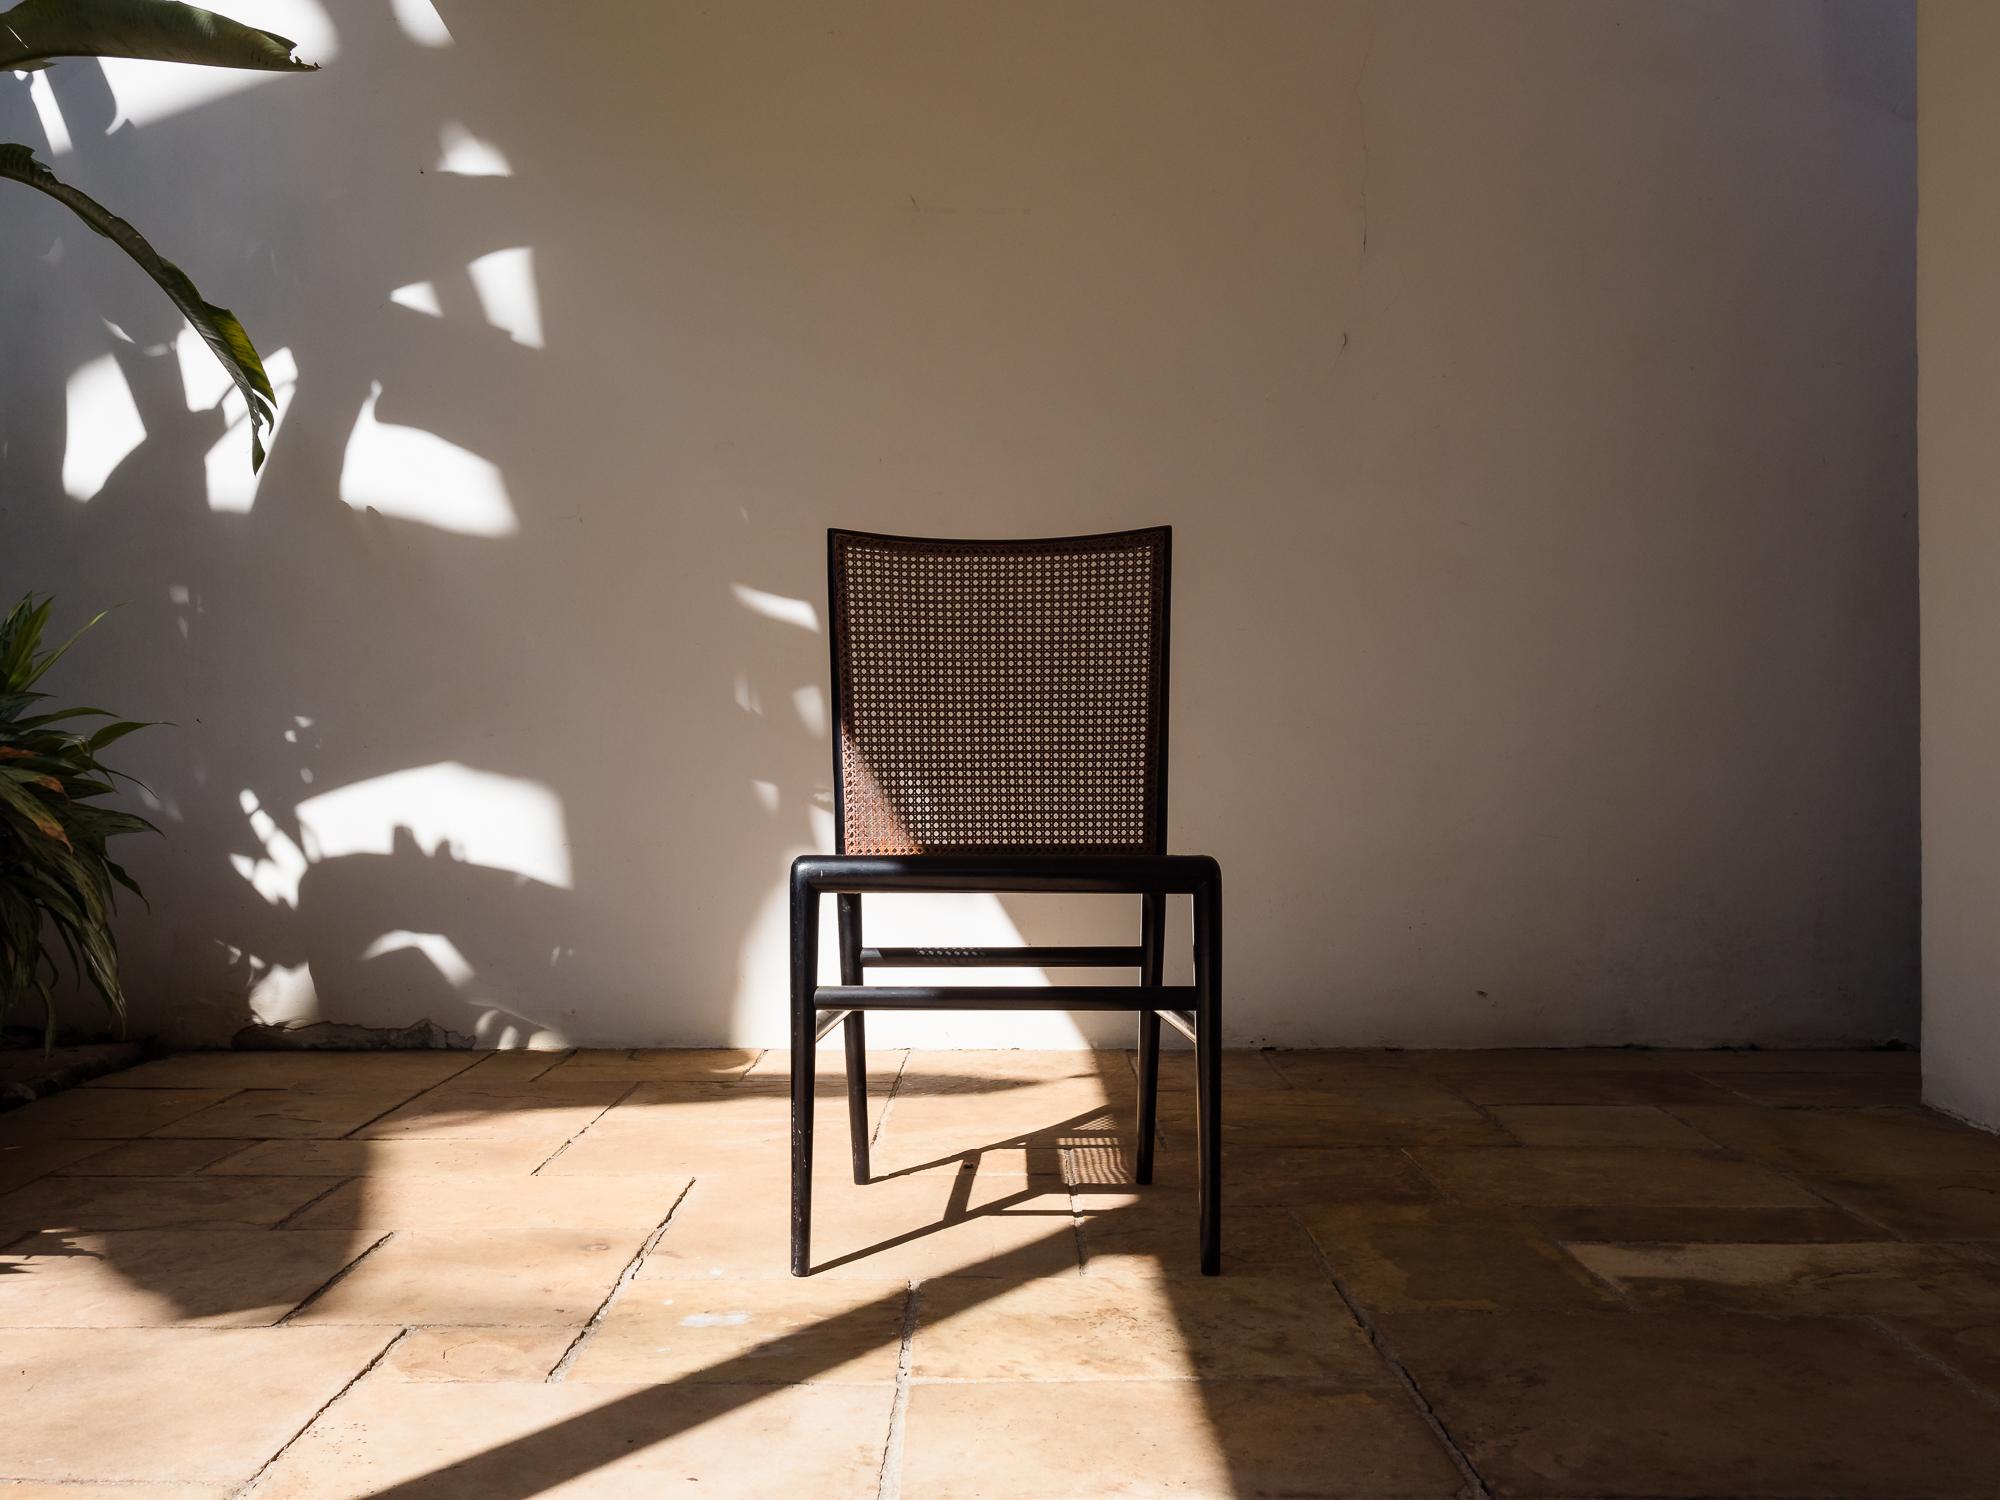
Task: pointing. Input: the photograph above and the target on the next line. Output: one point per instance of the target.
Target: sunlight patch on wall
(232, 486)
(49, 112)
(421, 23)
(145, 93)
(415, 475)
(103, 426)
(419, 296)
(504, 282)
(276, 876)
(779, 607)
(464, 154)
(435, 946)
(478, 817)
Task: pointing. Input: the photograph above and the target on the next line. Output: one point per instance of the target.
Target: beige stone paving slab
(1549, 1405)
(1408, 1113)
(1883, 1278)
(1567, 1086)
(264, 1113)
(167, 1277)
(1443, 1062)
(818, 1330)
(1641, 1224)
(1053, 1113)
(1157, 1232)
(1444, 1257)
(1240, 1070)
(1821, 1089)
(774, 1064)
(327, 1072)
(30, 1490)
(1334, 1068)
(1075, 1328)
(104, 1114)
(654, 1065)
(937, 1224)
(476, 1354)
(491, 1068)
(155, 1202)
(1961, 1207)
(1001, 1071)
(23, 1161)
(166, 1404)
(1969, 1346)
(482, 1441)
(1597, 1125)
(1905, 1060)
(1850, 1143)
(546, 1113)
(1267, 1177)
(896, 1154)
(385, 1158)
(1150, 1440)
(156, 1158)
(494, 1201)
(1547, 1177)
(706, 1128)
(479, 1277)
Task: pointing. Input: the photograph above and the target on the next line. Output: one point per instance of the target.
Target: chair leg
(805, 966)
(1208, 1067)
(854, 1032)
(1152, 941)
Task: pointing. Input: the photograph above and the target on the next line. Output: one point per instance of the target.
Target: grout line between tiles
(1476, 1485)
(572, 1140)
(337, 1184)
(264, 1468)
(1944, 1367)
(334, 1280)
(625, 1279)
(889, 1483)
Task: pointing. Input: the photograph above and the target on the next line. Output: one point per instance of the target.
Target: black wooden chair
(1000, 724)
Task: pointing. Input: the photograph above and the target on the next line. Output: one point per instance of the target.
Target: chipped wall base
(337, 1036)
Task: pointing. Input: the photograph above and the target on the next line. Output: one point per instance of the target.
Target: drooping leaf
(36, 32)
(216, 325)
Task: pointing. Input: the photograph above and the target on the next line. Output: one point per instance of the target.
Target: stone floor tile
(464, 1111)
(821, 1330)
(184, 1278)
(1056, 1113)
(1002, 1071)
(1961, 1207)
(774, 1064)
(155, 1202)
(1646, 1404)
(391, 1157)
(1884, 1278)
(1152, 1440)
(1969, 1346)
(1156, 1231)
(479, 1277)
(1886, 1060)
(157, 1158)
(332, 1072)
(655, 1065)
(505, 1068)
(1596, 1125)
(1263, 1176)
(1568, 1086)
(34, 1491)
(1640, 1224)
(166, 1404)
(1533, 1176)
(935, 1224)
(1445, 1258)
(266, 1113)
(1337, 1068)
(1451, 1062)
(104, 1114)
(494, 1202)
(1240, 1070)
(23, 1161)
(1822, 1089)
(1156, 1328)
(467, 1441)
(476, 1354)
(1410, 1113)
(1850, 1143)
(707, 1128)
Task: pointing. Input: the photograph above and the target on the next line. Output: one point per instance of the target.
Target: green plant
(55, 874)
(37, 32)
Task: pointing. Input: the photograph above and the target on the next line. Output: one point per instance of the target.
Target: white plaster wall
(1958, 325)
(1531, 388)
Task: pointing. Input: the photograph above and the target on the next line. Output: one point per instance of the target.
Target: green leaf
(117, 731)
(216, 325)
(35, 32)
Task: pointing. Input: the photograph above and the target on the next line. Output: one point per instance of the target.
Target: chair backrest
(1000, 697)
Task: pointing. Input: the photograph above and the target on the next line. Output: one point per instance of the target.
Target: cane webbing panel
(1000, 697)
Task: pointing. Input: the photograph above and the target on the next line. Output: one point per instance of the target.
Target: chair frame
(1193, 1010)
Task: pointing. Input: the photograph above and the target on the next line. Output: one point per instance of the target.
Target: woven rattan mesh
(1000, 697)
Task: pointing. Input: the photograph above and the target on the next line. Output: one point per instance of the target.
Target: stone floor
(438, 1274)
